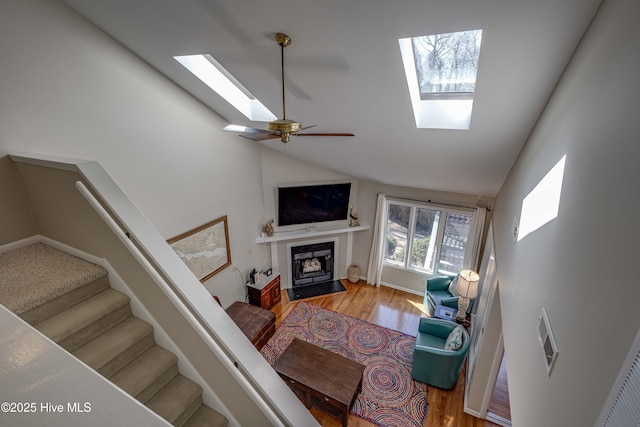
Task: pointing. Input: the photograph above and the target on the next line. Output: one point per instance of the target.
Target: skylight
(441, 74)
(447, 64)
(207, 69)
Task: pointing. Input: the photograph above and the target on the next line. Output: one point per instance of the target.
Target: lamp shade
(468, 284)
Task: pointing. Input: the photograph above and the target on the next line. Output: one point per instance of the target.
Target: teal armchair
(432, 364)
(437, 293)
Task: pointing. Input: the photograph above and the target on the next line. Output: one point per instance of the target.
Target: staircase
(70, 301)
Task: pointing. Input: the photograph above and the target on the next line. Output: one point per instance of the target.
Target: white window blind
(623, 406)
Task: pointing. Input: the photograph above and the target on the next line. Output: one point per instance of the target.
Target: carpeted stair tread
(207, 417)
(114, 349)
(59, 304)
(70, 301)
(72, 328)
(46, 272)
(147, 374)
(177, 401)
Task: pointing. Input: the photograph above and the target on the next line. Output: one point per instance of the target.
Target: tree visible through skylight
(447, 64)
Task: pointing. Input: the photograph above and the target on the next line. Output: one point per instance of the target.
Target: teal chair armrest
(450, 302)
(453, 303)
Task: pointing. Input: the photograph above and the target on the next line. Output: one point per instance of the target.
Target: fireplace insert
(312, 263)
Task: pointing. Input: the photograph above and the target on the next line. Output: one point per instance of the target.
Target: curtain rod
(455, 205)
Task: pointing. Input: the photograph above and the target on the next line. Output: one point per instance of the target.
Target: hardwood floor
(499, 404)
(396, 310)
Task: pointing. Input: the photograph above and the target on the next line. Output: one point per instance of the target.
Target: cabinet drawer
(328, 405)
(275, 292)
(267, 296)
(326, 400)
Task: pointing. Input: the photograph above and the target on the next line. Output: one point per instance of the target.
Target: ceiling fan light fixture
(285, 125)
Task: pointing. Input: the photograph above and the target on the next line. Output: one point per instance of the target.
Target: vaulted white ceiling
(344, 74)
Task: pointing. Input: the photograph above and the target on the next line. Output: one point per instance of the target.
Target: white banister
(181, 307)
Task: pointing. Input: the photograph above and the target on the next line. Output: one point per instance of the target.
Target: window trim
(444, 210)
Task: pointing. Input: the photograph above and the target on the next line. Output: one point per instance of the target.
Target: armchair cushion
(454, 340)
(429, 341)
(453, 286)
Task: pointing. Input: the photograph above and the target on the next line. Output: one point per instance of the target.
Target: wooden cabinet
(265, 293)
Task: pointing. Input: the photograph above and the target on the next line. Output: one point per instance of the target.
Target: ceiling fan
(283, 128)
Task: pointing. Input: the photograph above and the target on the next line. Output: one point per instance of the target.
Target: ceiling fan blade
(244, 129)
(307, 127)
(325, 134)
(259, 137)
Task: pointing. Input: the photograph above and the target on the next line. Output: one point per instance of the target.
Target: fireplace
(311, 264)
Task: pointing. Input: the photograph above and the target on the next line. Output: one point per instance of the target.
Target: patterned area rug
(389, 397)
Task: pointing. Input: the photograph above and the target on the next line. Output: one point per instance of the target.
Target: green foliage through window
(425, 238)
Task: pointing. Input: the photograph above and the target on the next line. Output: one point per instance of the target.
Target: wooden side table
(266, 292)
(448, 313)
(444, 312)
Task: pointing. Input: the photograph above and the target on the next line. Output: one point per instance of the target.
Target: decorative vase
(353, 273)
(268, 228)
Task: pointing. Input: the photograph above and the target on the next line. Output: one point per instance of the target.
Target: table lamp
(467, 289)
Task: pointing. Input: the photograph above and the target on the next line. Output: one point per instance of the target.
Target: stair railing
(233, 368)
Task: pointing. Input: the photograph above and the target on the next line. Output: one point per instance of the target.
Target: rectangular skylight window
(447, 64)
(207, 69)
(441, 74)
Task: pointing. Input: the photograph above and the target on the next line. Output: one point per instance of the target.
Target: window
(427, 238)
(441, 72)
(447, 64)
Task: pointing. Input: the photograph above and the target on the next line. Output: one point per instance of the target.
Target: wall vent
(547, 343)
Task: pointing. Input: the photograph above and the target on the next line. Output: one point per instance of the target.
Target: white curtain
(376, 256)
(478, 238)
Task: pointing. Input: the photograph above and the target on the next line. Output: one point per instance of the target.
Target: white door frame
(487, 345)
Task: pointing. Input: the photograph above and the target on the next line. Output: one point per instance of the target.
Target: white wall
(13, 210)
(68, 89)
(579, 267)
(278, 168)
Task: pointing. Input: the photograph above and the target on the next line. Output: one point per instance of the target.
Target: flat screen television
(308, 204)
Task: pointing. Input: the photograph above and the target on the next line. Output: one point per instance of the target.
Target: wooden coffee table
(320, 378)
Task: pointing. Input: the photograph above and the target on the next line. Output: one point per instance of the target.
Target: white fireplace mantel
(310, 232)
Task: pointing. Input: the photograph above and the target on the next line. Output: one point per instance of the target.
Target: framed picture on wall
(205, 249)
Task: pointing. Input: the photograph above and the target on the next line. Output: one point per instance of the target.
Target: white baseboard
(495, 419)
(19, 244)
(397, 287)
(400, 288)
